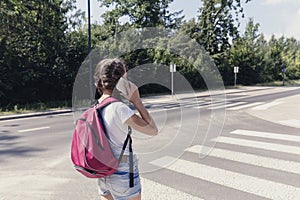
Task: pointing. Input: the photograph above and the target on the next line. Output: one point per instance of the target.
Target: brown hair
(107, 74)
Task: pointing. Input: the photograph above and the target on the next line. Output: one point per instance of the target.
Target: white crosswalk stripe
(227, 105)
(150, 189)
(217, 104)
(212, 104)
(245, 106)
(249, 184)
(268, 135)
(259, 145)
(272, 163)
(241, 181)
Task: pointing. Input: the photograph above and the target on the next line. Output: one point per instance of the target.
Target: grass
(273, 84)
(36, 107)
(280, 83)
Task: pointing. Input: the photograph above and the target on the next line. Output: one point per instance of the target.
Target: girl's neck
(105, 95)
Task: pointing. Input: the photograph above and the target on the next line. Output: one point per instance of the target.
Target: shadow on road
(11, 148)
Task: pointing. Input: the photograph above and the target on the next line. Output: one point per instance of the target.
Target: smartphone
(123, 86)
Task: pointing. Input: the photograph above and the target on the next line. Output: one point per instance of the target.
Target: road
(244, 148)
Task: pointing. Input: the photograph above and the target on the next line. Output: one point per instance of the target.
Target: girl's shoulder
(120, 111)
(118, 106)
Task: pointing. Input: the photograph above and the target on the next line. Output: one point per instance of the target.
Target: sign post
(235, 70)
(172, 70)
(283, 75)
(90, 56)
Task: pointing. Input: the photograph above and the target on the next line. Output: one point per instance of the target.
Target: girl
(117, 117)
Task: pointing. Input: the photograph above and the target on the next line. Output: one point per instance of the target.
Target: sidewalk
(284, 111)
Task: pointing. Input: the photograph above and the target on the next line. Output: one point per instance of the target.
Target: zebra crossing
(230, 105)
(243, 181)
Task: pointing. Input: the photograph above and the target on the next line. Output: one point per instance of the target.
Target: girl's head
(107, 74)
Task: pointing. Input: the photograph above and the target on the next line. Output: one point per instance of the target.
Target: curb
(35, 114)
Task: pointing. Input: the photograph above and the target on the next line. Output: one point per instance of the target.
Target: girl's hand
(128, 90)
(135, 95)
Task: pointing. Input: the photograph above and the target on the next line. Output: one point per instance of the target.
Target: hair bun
(107, 73)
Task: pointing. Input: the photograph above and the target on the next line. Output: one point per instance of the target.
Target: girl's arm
(143, 123)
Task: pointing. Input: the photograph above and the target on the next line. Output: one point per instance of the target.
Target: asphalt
(284, 111)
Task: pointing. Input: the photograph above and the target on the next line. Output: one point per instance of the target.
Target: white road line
(227, 105)
(271, 163)
(245, 106)
(192, 105)
(245, 183)
(267, 105)
(34, 129)
(210, 104)
(156, 110)
(259, 145)
(154, 190)
(268, 135)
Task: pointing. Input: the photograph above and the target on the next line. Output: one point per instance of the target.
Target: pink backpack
(91, 153)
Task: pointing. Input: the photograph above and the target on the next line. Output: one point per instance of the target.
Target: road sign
(173, 68)
(236, 70)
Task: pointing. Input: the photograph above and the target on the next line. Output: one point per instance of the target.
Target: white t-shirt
(114, 116)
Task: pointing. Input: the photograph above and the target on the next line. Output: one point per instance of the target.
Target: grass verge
(280, 83)
(35, 107)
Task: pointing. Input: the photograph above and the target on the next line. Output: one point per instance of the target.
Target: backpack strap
(131, 175)
(131, 172)
(128, 139)
(99, 106)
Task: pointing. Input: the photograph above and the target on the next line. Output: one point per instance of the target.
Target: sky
(278, 17)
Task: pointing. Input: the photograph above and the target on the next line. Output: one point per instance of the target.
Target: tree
(247, 53)
(34, 43)
(217, 25)
(146, 13)
(276, 64)
(291, 57)
(137, 14)
(215, 29)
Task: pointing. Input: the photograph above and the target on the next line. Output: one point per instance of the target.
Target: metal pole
(172, 80)
(89, 50)
(235, 76)
(283, 78)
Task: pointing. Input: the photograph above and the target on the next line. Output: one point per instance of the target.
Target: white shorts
(117, 184)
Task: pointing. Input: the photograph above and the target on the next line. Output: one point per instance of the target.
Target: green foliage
(43, 43)
(146, 13)
(247, 54)
(217, 25)
(291, 58)
(34, 43)
(261, 61)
